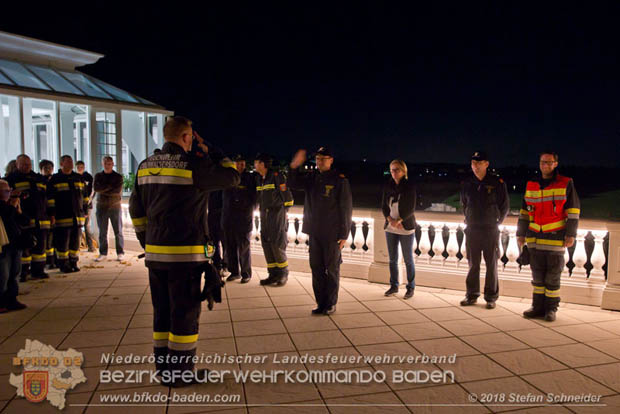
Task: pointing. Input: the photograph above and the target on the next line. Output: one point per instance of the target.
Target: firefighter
(33, 190)
(485, 202)
(274, 199)
(168, 208)
(548, 224)
(67, 203)
(46, 168)
(238, 211)
(327, 220)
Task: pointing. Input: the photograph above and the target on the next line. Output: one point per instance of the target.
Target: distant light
(514, 187)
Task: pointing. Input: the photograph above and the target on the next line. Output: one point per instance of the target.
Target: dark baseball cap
(239, 157)
(480, 156)
(324, 151)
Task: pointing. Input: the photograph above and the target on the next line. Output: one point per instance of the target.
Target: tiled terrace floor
(103, 310)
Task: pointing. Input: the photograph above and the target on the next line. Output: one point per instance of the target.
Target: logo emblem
(36, 385)
(328, 189)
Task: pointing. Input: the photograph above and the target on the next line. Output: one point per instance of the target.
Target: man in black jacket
(32, 187)
(328, 210)
(238, 211)
(485, 202)
(10, 254)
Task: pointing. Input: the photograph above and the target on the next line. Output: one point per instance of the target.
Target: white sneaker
(120, 257)
(101, 258)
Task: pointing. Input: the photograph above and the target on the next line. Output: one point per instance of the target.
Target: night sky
(423, 83)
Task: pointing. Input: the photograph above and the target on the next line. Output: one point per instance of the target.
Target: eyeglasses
(394, 169)
(322, 158)
(548, 162)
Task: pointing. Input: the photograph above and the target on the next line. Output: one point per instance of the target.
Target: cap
(239, 157)
(324, 151)
(480, 156)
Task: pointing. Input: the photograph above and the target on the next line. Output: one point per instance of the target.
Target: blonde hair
(175, 127)
(401, 164)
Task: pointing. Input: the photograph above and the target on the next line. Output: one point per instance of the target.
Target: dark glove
(212, 290)
(524, 258)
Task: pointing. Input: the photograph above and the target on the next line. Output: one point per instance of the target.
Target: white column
(611, 294)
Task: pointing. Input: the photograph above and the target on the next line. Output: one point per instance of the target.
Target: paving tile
(402, 317)
(493, 342)
(268, 393)
(295, 311)
(14, 343)
(302, 407)
(585, 333)
(139, 409)
(262, 327)
(250, 303)
(309, 324)
(475, 367)
(608, 374)
(326, 355)
(386, 305)
(36, 327)
(293, 300)
(88, 339)
(445, 314)
(372, 335)
(104, 323)
(208, 316)
(356, 320)
(611, 326)
(440, 399)
(354, 385)
(326, 339)
(227, 387)
(505, 387)
(386, 402)
(569, 382)
(444, 346)
(526, 361)
(21, 405)
(467, 327)
(394, 349)
(578, 355)
(541, 337)
(608, 346)
(510, 322)
(238, 315)
(426, 301)
(265, 343)
(418, 331)
(607, 405)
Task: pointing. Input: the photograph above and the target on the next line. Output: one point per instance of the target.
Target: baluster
(365, 231)
(453, 245)
(425, 242)
(464, 247)
(598, 254)
(290, 231)
(358, 238)
(579, 256)
(512, 251)
(352, 235)
(297, 227)
(438, 245)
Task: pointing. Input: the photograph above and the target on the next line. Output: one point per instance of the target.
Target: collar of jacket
(172, 148)
(328, 173)
(540, 178)
(487, 177)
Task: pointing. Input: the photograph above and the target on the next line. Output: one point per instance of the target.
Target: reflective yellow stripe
(271, 265)
(41, 185)
(86, 199)
(539, 290)
(533, 194)
(227, 164)
(288, 203)
(140, 221)
(549, 226)
(44, 222)
(61, 185)
(283, 264)
(62, 254)
(51, 202)
(73, 251)
(552, 293)
(150, 248)
(22, 184)
(38, 256)
(81, 220)
(573, 211)
(266, 187)
(524, 212)
(182, 339)
(79, 185)
(62, 221)
(550, 242)
(27, 259)
(172, 172)
(50, 251)
(160, 335)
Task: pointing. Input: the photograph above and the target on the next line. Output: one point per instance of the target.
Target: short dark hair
(175, 126)
(80, 163)
(549, 152)
(64, 157)
(45, 163)
(106, 158)
(22, 156)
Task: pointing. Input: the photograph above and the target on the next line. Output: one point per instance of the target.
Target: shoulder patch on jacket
(501, 180)
(342, 176)
(282, 187)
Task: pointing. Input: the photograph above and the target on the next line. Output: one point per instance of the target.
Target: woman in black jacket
(398, 205)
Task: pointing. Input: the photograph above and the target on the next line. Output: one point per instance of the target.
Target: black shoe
(232, 278)
(267, 281)
(41, 275)
(317, 311)
(16, 305)
(282, 281)
(533, 313)
(408, 294)
(469, 301)
(246, 279)
(550, 315)
(329, 310)
(391, 291)
(491, 305)
(23, 277)
(75, 268)
(66, 269)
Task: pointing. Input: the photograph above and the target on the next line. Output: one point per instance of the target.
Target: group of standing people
(43, 215)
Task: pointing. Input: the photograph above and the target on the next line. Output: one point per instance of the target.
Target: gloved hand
(212, 290)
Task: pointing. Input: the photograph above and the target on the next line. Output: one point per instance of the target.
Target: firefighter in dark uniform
(67, 202)
(46, 168)
(548, 223)
(274, 199)
(485, 202)
(33, 190)
(327, 220)
(216, 233)
(237, 216)
(168, 208)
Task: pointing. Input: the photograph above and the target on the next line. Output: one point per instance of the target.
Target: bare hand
(569, 241)
(399, 225)
(14, 201)
(298, 159)
(341, 243)
(201, 143)
(521, 241)
(52, 220)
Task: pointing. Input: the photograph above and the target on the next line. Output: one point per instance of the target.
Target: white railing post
(611, 294)
(379, 271)
(425, 242)
(452, 247)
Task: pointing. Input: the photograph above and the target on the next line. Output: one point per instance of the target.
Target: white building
(48, 109)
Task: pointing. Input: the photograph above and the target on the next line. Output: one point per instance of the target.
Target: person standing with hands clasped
(398, 205)
(327, 220)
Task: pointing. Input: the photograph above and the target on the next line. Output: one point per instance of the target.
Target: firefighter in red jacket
(168, 209)
(548, 224)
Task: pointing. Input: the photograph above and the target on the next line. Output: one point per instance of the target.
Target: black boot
(551, 307)
(538, 307)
